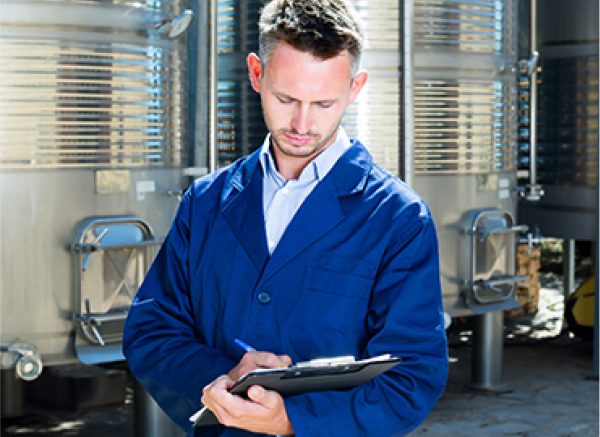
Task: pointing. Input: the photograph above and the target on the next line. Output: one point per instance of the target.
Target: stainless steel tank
(565, 153)
(460, 140)
(439, 110)
(239, 128)
(92, 144)
(376, 116)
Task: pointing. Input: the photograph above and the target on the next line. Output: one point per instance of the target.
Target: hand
(258, 360)
(264, 411)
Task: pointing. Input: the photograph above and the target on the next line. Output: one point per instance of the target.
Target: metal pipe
(596, 363)
(487, 353)
(406, 168)
(213, 81)
(533, 97)
(534, 190)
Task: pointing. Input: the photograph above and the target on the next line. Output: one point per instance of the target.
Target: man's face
(303, 98)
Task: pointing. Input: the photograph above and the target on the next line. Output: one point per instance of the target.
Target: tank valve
(175, 26)
(26, 359)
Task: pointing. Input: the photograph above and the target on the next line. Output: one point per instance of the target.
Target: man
(303, 249)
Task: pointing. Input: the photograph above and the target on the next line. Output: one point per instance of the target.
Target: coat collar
(320, 212)
(349, 174)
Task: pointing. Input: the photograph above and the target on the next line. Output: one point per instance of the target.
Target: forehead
(300, 74)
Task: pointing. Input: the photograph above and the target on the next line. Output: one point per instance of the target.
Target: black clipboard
(337, 373)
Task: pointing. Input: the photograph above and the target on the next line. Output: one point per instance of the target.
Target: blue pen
(244, 345)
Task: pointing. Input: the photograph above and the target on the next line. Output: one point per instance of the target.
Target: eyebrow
(286, 96)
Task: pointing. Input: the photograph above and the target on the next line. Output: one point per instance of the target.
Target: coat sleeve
(165, 352)
(405, 319)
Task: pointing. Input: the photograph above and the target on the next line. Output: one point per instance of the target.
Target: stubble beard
(307, 151)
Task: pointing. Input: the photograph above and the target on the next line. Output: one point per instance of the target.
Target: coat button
(264, 297)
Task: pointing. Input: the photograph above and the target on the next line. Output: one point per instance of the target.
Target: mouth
(297, 140)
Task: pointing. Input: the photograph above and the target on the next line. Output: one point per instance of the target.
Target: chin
(300, 152)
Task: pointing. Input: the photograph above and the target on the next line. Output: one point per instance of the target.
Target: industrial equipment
(93, 141)
(96, 133)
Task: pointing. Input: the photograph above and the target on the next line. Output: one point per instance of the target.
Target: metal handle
(79, 244)
(497, 231)
(175, 26)
(90, 321)
(93, 322)
(94, 247)
(494, 282)
(86, 260)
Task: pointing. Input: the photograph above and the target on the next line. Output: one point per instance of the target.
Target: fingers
(216, 397)
(258, 360)
(263, 412)
(286, 359)
(216, 390)
(266, 360)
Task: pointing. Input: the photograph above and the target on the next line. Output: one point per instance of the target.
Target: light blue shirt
(281, 198)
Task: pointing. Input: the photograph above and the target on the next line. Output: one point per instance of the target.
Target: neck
(290, 167)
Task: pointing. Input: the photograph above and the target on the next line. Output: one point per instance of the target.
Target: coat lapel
(322, 210)
(243, 210)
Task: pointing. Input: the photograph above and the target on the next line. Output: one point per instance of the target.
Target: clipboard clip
(339, 361)
(327, 362)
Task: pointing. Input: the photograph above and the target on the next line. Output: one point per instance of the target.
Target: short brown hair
(323, 28)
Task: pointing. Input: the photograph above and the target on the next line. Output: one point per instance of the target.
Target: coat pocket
(336, 282)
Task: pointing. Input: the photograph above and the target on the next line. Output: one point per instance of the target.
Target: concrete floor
(552, 395)
(550, 373)
(548, 370)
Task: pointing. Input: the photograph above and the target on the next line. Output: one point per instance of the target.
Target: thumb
(256, 393)
(261, 396)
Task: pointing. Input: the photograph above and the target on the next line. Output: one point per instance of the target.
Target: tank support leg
(149, 419)
(487, 353)
(12, 394)
(568, 267)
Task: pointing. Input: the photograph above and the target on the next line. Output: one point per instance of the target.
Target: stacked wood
(528, 292)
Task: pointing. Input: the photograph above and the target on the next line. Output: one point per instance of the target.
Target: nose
(302, 119)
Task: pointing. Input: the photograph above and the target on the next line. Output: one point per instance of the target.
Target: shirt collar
(317, 169)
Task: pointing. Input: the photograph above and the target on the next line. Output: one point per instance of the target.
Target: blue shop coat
(355, 273)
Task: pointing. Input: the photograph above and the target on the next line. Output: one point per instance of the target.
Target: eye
(325, 105)
(284, 100)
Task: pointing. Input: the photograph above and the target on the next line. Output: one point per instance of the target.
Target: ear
(358, 82)
(254, 71)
